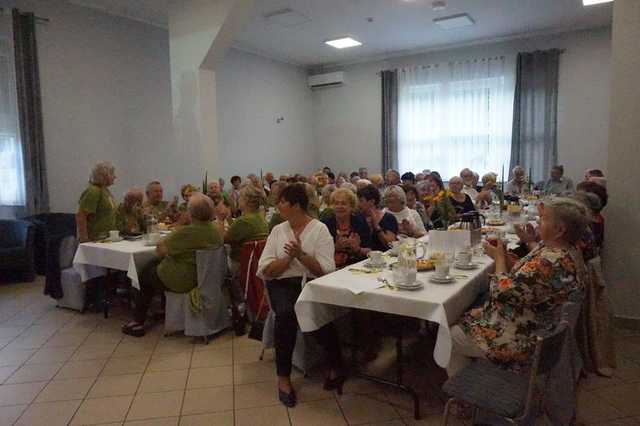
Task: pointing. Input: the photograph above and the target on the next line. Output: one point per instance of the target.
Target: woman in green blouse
(250, 226)
(97, 209)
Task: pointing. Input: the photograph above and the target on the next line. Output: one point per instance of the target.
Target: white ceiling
(398, 25)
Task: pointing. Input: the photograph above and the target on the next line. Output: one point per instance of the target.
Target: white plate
(466, 267)
(116, 240)
(444, 280)
(416, 286)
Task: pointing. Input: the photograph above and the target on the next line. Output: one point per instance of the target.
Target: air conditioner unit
(320, 81)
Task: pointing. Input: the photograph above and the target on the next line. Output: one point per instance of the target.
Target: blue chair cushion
(487, 386)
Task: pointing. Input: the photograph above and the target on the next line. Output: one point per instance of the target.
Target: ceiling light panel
(592, 2)
(343, 43)
(454, 21)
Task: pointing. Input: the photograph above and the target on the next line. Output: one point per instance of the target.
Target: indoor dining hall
(319, 212)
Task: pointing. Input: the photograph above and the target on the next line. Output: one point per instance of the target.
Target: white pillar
(622, 248)
(200, 31)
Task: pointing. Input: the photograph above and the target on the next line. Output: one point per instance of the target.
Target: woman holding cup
(525, 298)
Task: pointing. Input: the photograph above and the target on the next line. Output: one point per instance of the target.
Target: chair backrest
(549, 349)
(212, 269)
(67, 251)
(252, 284)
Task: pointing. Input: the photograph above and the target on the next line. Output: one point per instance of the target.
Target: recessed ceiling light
(592, 2)
(454, 21)
(343, 43)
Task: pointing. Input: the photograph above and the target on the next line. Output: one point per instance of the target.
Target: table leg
(399, 370)
(107, 293)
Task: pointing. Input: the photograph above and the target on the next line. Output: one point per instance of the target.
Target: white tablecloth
(130, 256)
(326, 298)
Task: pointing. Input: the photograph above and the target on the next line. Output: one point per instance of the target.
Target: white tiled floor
(58, 367)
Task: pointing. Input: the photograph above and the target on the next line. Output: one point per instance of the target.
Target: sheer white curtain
(455, 115)
(12, 189)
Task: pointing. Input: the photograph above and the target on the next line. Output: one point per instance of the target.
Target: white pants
(463, 350)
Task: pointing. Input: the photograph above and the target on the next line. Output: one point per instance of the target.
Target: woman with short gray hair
(96, 214)
(409, 221)
(525, 299)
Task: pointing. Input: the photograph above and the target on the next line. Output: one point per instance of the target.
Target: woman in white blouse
(409, 221)
(297, 250)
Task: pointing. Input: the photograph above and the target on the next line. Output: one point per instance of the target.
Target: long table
(129, 256)
(331, 296)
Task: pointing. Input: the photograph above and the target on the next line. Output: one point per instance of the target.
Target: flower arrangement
(442, 204)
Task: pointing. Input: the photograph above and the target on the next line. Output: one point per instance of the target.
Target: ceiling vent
(286, 18)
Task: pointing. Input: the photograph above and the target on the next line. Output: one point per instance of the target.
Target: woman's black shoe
(287, 399)
(335, 383)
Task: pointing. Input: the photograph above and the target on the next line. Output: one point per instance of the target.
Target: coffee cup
(399, 276)
(442, 269)
(464, 257)
(375, 258)
(114, 235)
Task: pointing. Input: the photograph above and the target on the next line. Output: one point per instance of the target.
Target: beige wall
(622, 253)
(347, 119)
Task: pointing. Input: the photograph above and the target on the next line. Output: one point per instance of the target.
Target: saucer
(415, 286)
(466, 267)
(115, 240)
(370, 265)
(444, 280)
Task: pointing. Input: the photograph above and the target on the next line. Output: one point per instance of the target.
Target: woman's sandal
(133, 329)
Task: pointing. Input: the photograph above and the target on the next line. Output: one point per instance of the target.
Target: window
(12, 189)
(455, 115)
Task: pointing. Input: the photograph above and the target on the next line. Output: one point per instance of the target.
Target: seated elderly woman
(409, 221)
(349, 229)
(518, 184)
(413, 202)
(525, 299)
(298, 249)
(222, 216)
(129, 217)
(97, 209)
(383, 226)
(461, 202)
(598, 219)
(175, 267)
(487, 195)
(377, 181)
(249, 226)
(325, 198)
(469, 180)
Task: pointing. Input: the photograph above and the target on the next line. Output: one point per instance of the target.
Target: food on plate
(425, 265)
(495, 222)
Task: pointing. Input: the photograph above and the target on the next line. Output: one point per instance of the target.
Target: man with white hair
(469, 182)
(174, 269)
(155, 205)
(517, 184)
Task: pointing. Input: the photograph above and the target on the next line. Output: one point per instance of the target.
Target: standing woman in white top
(409, 221)
(298, 249)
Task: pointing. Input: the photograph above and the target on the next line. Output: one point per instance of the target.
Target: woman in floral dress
(525, 300)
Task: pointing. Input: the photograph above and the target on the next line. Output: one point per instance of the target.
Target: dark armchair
(50, 229)
(16, 250)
